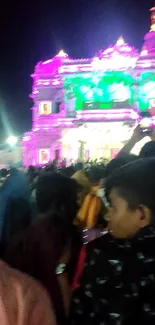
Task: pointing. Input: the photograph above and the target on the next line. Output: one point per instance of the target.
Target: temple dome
(120, 48)
(52, 66)
(120, 56)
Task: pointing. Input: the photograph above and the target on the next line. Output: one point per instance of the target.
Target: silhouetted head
(148, 150)
(56, 195)
(118, 162)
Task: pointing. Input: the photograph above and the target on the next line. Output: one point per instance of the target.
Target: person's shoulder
(102, 242)
(14, 278)
(101, 250)
(21, 292)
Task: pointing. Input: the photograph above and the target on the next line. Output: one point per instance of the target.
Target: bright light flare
(12, 140)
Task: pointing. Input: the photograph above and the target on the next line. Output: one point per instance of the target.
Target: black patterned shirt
(118, 283)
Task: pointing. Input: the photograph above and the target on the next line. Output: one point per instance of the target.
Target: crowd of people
(77, 243)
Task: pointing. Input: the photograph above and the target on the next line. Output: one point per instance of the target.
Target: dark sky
(35, 30)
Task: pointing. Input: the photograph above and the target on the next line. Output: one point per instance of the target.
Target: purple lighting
(58, 106)
(111, 114)
(106, 117)
(113, 111)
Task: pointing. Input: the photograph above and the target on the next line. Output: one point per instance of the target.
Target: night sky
(31, 31)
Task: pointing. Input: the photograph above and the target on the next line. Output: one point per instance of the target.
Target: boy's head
(131, 195)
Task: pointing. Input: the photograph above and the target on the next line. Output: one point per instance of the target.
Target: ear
(145, 216)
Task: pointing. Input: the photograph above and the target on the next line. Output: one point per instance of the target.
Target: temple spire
(152, 27)
(120, 41)
(62, 54)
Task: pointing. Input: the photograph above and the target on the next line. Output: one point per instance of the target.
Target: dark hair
(95, 173)
(135, 183)
(148, 150)
(3, 172)
(78, 166)
(31, 169)
(57, 195)
(56, 198)
(67, 171)
(118, 162)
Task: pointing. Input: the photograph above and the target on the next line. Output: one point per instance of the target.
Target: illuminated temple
(87, 108)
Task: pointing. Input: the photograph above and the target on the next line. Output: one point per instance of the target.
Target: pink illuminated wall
(43, 143)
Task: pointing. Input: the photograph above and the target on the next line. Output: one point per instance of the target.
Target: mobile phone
(146, 126)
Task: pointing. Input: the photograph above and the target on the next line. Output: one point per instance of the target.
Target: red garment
(80, 268)
(89, 235)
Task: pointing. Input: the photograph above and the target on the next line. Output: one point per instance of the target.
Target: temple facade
(87, 108)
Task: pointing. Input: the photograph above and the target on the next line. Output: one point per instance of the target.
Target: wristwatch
(61, 268)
